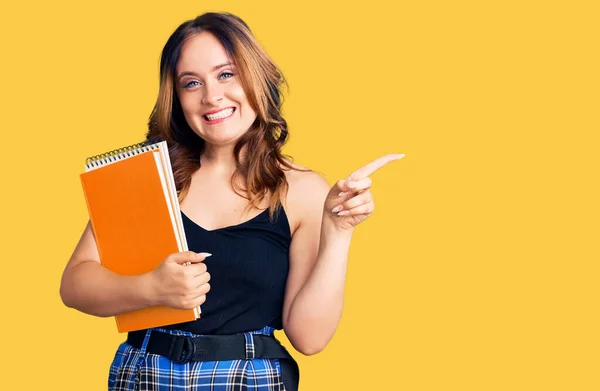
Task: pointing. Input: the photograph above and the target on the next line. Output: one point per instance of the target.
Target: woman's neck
(220, 159)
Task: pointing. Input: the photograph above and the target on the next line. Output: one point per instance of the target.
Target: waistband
(185, 348)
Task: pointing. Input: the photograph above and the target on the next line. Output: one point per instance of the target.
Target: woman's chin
(221, 140)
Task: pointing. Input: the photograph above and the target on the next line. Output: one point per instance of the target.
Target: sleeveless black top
(248, 268)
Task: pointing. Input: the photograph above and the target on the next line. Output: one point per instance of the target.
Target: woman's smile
(218, 116)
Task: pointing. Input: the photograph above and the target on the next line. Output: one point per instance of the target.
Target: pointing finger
(375, 165)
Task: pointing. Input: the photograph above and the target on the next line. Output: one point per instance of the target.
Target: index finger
(375, 165)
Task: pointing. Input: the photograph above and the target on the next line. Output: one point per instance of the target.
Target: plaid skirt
(136, 369)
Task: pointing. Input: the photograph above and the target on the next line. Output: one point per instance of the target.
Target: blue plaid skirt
(136, 369)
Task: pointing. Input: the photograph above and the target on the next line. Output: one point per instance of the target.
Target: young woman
(269, 239)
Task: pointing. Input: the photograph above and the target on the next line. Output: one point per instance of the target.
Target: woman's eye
(190, 84)
(226, 75)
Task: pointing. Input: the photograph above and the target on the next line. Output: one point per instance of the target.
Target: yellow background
(479, 268)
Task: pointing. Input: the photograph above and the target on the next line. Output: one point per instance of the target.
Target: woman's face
(209, 89)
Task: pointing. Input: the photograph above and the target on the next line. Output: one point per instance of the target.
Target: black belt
(246, 346)
(181, 348)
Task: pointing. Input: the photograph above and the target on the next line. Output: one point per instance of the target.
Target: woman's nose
(213, 94)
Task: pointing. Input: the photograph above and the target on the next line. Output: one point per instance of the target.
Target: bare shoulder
(306, 194)
(306, 185)
(302, 176)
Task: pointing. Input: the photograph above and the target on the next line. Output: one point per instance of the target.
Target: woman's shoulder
(307, 190)
(302, 179)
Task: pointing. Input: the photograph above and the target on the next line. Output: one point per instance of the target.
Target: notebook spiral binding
(122, 153)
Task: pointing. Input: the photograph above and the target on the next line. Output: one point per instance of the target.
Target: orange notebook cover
(135, 215)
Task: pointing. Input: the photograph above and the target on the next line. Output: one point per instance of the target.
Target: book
(134, 211)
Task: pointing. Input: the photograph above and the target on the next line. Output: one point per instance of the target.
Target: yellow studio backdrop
(477, 271)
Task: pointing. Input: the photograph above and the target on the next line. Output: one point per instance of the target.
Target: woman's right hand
(181, 280)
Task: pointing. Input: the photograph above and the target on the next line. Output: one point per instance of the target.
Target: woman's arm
(91, 288)
(319, 253)
(317, 277)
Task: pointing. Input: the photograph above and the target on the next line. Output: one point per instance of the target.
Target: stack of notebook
(134, 212)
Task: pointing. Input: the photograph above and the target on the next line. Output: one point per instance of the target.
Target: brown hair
(261, 171)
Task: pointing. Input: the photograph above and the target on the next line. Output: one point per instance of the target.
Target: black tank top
(248, 268)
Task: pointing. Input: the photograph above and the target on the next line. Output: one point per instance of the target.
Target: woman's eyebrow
(221, 66)
(215, 68)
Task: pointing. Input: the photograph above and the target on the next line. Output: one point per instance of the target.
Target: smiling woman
(219, 84)
(219, 109)
(211, 93)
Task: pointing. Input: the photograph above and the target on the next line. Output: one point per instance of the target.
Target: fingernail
(343, 193)
(343, 213)
(205, 255)
(337, 209)
(351, 185)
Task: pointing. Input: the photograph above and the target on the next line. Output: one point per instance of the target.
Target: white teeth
(221, 114)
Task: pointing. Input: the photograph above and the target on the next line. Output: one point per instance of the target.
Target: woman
(273, 236)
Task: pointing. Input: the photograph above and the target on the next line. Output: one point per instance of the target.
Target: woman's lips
(218, 120)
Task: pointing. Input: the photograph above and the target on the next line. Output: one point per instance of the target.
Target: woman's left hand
(349, 201)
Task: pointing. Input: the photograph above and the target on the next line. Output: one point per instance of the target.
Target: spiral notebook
(134, 211)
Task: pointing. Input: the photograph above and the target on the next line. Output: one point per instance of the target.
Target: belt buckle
(188, 351)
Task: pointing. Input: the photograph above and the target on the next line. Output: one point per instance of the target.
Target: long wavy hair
(262, 170)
